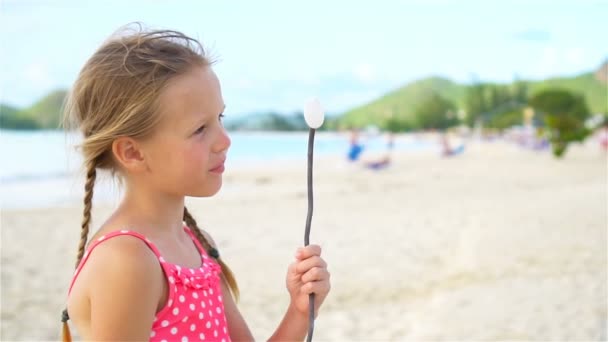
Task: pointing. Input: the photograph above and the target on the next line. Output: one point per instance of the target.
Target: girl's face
(185, 155)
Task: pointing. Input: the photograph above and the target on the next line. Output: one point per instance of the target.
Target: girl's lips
(218, 169)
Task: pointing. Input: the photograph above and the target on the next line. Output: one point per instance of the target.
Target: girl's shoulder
(119, 278)
(113, 254)
(122, 244)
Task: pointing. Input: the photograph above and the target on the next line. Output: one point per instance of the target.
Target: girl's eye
(202, 128)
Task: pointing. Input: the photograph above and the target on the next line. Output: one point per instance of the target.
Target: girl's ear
(129, 155)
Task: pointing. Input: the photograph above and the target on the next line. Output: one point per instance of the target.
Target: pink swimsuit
(194, 310)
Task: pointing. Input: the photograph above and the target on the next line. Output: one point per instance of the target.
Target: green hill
(44, 114)
(400, 103)
(10, 118)
(403, 102)
(48, 111)
(7, 110)
(267, 122)
(596, 92)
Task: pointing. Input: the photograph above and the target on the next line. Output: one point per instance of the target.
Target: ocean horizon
(46, 162)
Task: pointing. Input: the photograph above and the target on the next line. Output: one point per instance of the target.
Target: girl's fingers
(322, 286)
(305, 265)
(308, 251)
(292, 268)
(315, 274)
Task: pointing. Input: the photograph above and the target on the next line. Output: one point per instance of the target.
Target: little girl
(149, 107)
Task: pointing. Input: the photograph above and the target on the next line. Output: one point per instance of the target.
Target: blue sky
(276, 54)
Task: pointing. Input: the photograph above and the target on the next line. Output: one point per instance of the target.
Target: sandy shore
(496, 244)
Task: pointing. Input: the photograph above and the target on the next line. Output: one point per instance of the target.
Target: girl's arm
(237, 327)
(293, 327)
(308, 274)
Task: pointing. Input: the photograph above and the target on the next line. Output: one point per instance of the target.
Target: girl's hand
(308, 274)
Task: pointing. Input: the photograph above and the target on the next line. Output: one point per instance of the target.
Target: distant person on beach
(446, 149)
(149, 106)
(385, 160)
(355, 147)
(603, 135)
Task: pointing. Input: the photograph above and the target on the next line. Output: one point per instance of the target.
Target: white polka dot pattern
(196, 312)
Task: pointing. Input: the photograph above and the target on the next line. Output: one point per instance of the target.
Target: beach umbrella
(314, 116)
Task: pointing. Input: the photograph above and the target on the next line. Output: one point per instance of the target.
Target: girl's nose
(223, 142)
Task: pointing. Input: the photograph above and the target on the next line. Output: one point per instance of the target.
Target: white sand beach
(498, 243)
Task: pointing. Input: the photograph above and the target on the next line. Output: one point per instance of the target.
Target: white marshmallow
(313, 113)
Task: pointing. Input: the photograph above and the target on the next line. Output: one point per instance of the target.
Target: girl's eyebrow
(201, 121)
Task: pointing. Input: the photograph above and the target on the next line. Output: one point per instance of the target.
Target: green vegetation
(273, 121)
(267, 121)
(44, 114)
(435, 112)
(10, 118)
(397, 109)
(564, 114)
(594, 91)
(506, 119)
(496, 105)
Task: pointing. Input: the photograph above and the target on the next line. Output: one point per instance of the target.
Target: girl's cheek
(198, 150)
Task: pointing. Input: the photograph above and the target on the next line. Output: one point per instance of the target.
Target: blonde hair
(117, 94)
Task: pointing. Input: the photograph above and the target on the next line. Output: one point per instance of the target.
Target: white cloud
(554, 61)
(576, 57)
(37, 74)
(347, 100)
(243, 84)
(364, 72)
(548, 61)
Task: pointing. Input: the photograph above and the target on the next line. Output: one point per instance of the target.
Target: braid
(88, 197)
(191, 223)
(226, 272)
(84, 235)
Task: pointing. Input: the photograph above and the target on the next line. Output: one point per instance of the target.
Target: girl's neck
(152, 213)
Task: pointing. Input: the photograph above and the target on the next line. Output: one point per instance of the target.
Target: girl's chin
(207, 192)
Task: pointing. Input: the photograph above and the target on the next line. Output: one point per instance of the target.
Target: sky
(274, 55)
